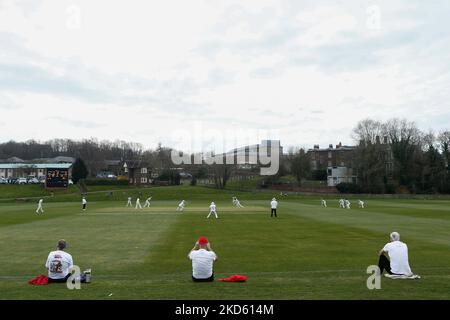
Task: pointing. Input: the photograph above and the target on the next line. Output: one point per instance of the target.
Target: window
(144, 170)
(329, 154)
(143, 180)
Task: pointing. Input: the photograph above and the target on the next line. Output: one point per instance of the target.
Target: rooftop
(35, 165)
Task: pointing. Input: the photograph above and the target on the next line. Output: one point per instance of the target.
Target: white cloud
(139, 70)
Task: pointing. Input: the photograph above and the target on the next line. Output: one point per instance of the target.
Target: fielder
(237, 203)
(323, 203)
(39, 208)
(341, 203)
(138, 203)
(147, 202)
(361, 204)
(273, 206)
(129, 204)
(84, 203)
(347, 204)
(181, 205)
(212, 209)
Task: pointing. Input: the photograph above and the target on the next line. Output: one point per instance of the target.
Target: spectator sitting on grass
(203, 259)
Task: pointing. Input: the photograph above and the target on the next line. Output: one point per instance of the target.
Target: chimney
(330, 146)
(316, 147)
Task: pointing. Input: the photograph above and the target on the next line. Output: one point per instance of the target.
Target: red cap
(202, 240)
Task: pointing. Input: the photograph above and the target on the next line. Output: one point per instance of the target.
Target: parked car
(21, 181)
(33, 181)
(12, 180)
(3, 180)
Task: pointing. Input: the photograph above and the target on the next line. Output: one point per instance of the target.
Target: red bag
(39, 280)
(235, 278)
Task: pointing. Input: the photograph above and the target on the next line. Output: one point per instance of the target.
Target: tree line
(394, 156)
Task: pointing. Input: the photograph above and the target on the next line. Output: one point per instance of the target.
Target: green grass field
(308, 252)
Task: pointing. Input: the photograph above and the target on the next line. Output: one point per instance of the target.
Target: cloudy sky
(190, 72)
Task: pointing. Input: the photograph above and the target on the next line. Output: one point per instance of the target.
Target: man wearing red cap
(203, 259)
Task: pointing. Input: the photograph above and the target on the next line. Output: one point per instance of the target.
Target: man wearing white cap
(398, 264)
(212, 209)
(273, 206)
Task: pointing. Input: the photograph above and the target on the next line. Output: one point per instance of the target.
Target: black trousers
(84, 207)
(384, 264)
(274, 211)
(210, 279)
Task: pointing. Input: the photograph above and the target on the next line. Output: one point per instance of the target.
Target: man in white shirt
(361, 204)
(129, 204)
(138, 203)
(59, 264)
(147, 202)
(323, 203)
(341, 203)
(237, 203)
(39, 208)
(203, 259)
(181, 206)
(273, 206)
(84, 203)
(398, 255)
(347, 204)
(212, 209)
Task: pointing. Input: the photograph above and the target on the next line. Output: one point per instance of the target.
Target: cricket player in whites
(323, 203)
(84, 203)
(237, 203)
(347, 204)
(212, 209)
(273, 208)
(147, 202)
(181, 205)
(39, 208)
(341, 203)
(138, 203)
(129, 204)
(361, 204)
